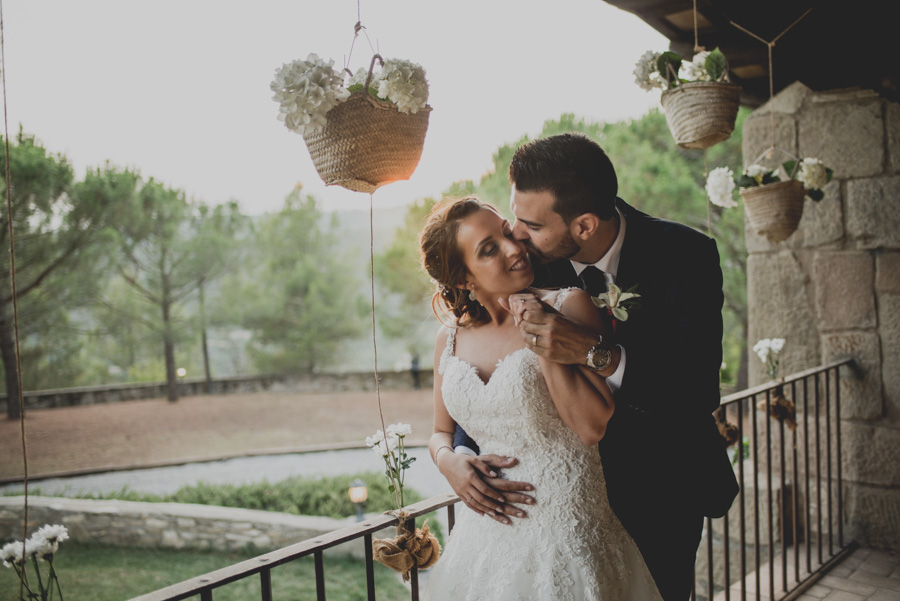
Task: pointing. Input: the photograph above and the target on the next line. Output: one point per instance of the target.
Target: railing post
(819, 534)
(771, 509)
(795, 486)
(741, 500)
(756, 459)
(710, 576)
(806, 470)
(726, 535)
(370, 567)
(414, 583)
(320, 577)
(828, 462)
(782, 462)
(840, 481)
(265, 584)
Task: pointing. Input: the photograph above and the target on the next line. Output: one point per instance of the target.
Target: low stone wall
(311, 383)
(171, 525)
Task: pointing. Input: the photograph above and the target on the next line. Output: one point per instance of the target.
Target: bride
(570, 546)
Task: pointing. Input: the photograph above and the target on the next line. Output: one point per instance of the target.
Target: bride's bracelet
(439, 449)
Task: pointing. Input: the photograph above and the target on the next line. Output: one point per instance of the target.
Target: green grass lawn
(90, 572)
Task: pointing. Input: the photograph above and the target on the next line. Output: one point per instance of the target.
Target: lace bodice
(571, 523)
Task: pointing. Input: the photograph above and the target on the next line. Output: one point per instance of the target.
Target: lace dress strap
(561, 297)
(449, 348)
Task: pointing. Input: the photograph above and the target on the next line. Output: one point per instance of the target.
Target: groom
(665, 464)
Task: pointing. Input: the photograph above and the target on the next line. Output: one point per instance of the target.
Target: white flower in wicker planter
(720, 187)
(305, 91)
(359, 138)
(774, 205)
(700, 104)
(810, 173)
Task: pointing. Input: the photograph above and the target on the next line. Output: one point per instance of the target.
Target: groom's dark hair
(571, 166)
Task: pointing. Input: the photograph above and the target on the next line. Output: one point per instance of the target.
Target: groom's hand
(477, 483)
(557, 338)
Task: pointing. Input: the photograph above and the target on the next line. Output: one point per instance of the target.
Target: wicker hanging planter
(355, 139)
(701, 114)
(367, 143)
(774, 210)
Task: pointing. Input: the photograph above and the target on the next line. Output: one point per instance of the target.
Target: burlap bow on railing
(781, 408)
(417, 547)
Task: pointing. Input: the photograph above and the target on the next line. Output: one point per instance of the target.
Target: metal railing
(788, 515)
(810, 531)
(262, 565)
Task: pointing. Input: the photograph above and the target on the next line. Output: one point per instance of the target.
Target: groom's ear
(584, 226)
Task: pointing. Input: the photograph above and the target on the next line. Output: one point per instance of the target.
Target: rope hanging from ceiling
(14, 292)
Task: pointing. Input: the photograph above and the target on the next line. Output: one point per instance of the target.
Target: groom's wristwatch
(599, 357)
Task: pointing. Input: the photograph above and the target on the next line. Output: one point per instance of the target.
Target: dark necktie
(594, 280)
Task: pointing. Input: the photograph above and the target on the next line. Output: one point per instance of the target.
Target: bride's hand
(518, 303)
(476, 482)
(550, 334)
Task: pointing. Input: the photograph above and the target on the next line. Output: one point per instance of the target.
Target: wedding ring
(534, 340)
(469, 500)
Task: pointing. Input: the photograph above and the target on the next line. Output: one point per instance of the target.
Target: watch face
(600, 358)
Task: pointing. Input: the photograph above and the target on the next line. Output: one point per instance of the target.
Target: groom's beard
(567, 248)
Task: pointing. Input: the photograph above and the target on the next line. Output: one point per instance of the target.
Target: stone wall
(311, 383)
(832, 289)
(171, 525)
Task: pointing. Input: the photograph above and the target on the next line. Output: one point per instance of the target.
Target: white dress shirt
(609, 264)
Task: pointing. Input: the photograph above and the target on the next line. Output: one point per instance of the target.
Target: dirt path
(156, 432)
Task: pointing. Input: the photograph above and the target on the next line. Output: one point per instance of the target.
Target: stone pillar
(832, 289)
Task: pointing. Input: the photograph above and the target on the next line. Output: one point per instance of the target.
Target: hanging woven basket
(774, 210)
(701, 114)
(367, 143)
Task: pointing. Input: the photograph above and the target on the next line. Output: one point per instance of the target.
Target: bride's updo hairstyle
(442, 259)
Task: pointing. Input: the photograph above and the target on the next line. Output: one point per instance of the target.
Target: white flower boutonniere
(618, 303)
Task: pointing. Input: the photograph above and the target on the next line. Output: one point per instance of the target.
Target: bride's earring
(472, 296)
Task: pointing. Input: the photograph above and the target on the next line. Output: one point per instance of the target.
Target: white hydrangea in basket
(362, 133)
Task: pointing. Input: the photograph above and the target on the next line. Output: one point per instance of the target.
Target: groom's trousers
(647, 492)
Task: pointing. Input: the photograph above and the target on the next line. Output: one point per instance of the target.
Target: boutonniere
(618, 303)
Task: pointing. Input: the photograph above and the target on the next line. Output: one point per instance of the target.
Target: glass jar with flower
(700, 102)
(361, 133)
(773, 197)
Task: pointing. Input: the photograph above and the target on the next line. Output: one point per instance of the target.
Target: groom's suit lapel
(633, 247)
(632, 261)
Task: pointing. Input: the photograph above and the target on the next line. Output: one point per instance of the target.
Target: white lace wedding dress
(571, 546)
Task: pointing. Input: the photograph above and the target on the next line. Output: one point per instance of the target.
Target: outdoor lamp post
(358, 494)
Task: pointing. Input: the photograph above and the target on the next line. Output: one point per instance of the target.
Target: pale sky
(179, 89)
